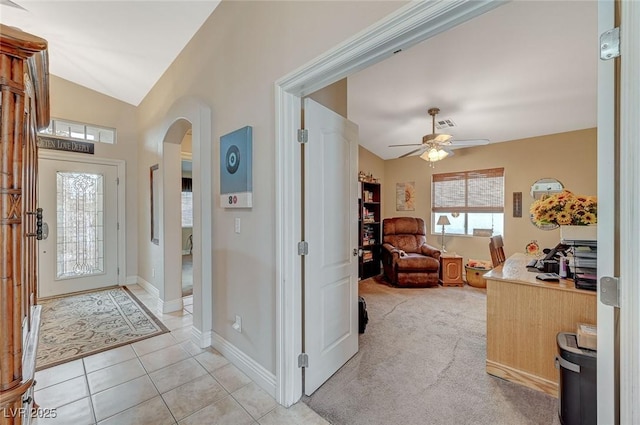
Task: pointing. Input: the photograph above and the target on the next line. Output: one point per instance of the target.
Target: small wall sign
(517, 204)
(66, 145)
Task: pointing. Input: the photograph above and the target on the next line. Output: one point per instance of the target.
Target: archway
(188, 113)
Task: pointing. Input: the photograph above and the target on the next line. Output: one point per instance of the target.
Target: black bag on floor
(363, 316)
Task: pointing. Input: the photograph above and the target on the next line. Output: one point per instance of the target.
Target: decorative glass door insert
(80, 224)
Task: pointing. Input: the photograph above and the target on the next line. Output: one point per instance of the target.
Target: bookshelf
(369, 210)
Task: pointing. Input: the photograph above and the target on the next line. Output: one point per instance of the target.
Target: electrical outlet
(153, 272)
(237, 325)
(237, 225)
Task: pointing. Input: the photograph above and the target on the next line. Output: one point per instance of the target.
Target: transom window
(473, 201)
(80, 131)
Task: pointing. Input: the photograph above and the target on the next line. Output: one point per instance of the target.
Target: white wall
(231, 64)
(76, 103)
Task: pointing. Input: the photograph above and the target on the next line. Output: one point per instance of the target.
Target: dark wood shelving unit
(370, 216)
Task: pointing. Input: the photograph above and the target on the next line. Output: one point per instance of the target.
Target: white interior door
(608, 249)
(331, 229)
(79, 202)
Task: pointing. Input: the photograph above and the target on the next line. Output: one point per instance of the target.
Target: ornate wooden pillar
(23, 84)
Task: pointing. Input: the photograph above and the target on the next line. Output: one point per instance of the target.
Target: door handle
(39, 225)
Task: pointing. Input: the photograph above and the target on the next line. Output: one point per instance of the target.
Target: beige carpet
(80, 325)
(422, 361)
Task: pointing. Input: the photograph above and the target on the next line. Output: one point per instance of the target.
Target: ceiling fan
(436, 146)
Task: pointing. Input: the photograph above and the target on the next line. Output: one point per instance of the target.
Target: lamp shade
(443, 220)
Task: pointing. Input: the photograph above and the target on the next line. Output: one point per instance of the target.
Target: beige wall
(370, 163)
(569, 157)
(231, 64)
(333, 96)
(73, 102)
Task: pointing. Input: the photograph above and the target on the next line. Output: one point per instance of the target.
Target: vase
(578, 233)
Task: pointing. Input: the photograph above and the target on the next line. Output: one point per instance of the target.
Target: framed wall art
(405, 196)
(236, 163)
(155, 203)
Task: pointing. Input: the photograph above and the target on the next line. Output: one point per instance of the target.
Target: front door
(331, 230)
(79, 202)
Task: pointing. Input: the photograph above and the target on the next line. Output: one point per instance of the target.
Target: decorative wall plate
(532, 248)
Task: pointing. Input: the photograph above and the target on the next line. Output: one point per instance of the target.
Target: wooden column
(22, 76)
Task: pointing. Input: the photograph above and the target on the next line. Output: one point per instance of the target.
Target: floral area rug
(80, 325)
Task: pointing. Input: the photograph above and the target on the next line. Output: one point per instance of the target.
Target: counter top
(515, 270)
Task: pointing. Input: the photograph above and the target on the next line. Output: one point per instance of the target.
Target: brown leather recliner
(406, 258)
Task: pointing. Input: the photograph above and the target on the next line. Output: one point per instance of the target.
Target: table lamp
(443, 220)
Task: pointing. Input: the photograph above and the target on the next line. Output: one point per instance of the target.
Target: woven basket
(475, 277)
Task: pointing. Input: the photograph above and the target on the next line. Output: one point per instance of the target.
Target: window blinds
(478, 191)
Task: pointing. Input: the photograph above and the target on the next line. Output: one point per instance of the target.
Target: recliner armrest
(391, 250)
(426, 249)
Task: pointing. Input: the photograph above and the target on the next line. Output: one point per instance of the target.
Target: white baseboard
(163, 306)
(261, 376)
(147, 286)
(170, 306)
(199, 338)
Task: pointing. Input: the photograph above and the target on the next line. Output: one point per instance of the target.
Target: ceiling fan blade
(411, 153)
(11, 4)
(410, 144)
(469, 142)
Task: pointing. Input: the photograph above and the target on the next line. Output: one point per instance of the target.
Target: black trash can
(577, 389)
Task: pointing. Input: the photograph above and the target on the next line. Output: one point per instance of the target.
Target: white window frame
(55, 122)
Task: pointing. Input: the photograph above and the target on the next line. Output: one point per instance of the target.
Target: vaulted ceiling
(525, 69)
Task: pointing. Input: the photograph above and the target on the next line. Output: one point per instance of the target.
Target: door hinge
(117, 226)
(118, 180)
(610, 44)
(303, 248)
(303, 135)
(303, 360)
(610, 291)
(118, 271)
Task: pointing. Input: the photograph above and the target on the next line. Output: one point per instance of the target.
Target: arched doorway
(188, 114)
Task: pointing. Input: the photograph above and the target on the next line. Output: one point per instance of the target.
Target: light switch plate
(237, 225)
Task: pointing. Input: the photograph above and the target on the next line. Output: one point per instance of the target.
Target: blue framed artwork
(236, 163)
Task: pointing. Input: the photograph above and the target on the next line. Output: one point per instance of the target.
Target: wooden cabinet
(524, 317)
(24, 110)
(369, 235)
(451, 270)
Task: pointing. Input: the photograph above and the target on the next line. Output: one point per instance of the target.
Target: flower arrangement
(565, 208)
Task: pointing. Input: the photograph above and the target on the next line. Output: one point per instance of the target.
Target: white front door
(80, 205)
(331, 230)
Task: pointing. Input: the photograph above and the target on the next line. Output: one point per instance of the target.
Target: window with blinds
(473, 201)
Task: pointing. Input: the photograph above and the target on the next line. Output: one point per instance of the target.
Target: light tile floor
(161, 380)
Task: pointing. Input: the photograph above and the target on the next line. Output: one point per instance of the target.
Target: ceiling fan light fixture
(434, 154)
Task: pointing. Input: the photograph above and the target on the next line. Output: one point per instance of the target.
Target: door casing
(409, 25)
(121, 208)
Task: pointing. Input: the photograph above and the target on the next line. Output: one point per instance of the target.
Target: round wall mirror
(541, 188)
(547, 186)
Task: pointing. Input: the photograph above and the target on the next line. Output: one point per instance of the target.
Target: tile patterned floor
(161, 380)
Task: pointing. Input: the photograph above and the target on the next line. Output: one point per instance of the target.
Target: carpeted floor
(422, 361)
(79, 325)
